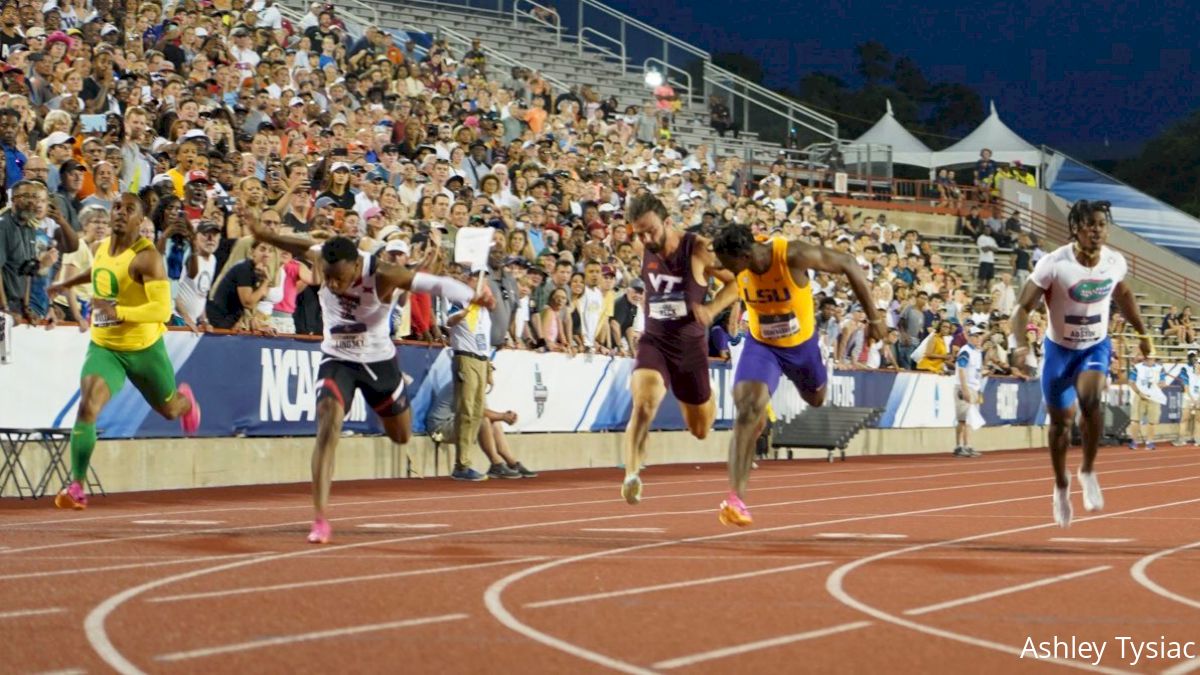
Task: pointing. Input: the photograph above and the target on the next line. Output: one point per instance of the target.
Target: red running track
(892, 564)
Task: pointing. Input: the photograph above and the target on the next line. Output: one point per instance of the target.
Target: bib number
(667, 310)
(777, 326)
(350, 341)
(102, 319)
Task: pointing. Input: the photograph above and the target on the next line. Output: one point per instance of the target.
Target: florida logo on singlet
(1090, 291)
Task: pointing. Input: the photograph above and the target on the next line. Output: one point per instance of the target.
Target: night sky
(1069, 74)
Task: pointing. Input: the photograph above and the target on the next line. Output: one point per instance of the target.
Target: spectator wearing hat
(475, 166)
(372, 189)
(968, 390)
(626, 318)
(194, 285)
(64, 200)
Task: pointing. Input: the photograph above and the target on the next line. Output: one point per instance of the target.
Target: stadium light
(654, 79)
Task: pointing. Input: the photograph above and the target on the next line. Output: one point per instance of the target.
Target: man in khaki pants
(1148, 397)
(1189, 405)
(470, 336)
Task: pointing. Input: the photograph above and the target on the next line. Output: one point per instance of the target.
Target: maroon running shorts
(682, 362)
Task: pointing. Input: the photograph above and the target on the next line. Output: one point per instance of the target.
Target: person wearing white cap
(968, 390)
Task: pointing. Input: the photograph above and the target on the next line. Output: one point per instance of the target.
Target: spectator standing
(470, 336)
(968, 390)
(1189, 404)
(987, 259)
(1148, 398)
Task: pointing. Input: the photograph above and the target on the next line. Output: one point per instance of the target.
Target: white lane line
(761, 644)
(160, 535)
(840, 484)
(493, 595)
(647, 530)
(306, 637)
(338, 580)
(168, 521)
(65, 671)
(1090, 540)
(835, 584)
(19, 613)
(859, 535)
(129, 566)
(1138, 572)
(402, 526)
(97, 634)
(677, 584)
(918, 463)
(1005, 591)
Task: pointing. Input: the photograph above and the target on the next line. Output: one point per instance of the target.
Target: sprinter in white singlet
(356, 292)
(1078, 281)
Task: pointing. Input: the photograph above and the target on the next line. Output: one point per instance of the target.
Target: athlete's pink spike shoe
(734, 512)
(321, 532)
(72, 497)
(190, 421)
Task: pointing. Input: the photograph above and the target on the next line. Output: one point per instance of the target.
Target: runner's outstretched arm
(803, 257)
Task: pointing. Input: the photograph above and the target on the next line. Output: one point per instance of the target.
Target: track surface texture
(887, 564)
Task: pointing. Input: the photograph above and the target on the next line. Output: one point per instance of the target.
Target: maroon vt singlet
(671, 290)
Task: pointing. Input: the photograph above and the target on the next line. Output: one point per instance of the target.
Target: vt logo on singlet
(1091, 290)
(668, 280)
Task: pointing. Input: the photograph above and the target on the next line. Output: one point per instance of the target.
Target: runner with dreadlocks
(1078, 281)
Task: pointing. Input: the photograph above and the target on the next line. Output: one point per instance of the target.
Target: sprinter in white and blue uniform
(1078, 281)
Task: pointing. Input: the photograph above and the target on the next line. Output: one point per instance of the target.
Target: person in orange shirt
(535, 117)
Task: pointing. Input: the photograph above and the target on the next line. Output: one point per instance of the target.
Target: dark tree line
(936, 112)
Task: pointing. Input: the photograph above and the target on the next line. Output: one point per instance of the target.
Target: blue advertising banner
(265, 386)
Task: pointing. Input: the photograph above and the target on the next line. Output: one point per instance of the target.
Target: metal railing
(494, 56)
(667, 70)
(538, 17)
(1155, 274)
(618, 56)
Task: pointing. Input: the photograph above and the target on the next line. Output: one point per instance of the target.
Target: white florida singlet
(1077, 297)
(356, 324)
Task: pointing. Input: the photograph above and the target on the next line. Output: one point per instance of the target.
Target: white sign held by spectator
(471, 247)
(841, 182)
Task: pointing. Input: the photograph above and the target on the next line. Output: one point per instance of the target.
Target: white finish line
(1089, 540)
(177, 522)
(624, 530)
(858, 535)
(402, 526)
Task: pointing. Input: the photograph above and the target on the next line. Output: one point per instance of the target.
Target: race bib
(102, 319)
(1084, 328)
(666, 310)
(349, 341)
(776, 326)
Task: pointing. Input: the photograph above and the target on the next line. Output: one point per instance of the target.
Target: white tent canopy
(906, 148)
(1005, 144)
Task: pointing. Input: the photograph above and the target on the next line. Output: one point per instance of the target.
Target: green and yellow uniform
(129, 344)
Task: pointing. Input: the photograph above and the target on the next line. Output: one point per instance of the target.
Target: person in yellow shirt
(131, 302)
(937, 353)
(773, 280)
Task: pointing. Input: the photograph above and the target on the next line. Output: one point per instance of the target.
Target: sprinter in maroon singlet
(673, 352)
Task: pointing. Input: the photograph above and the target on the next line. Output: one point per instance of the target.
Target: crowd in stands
(220, 116)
